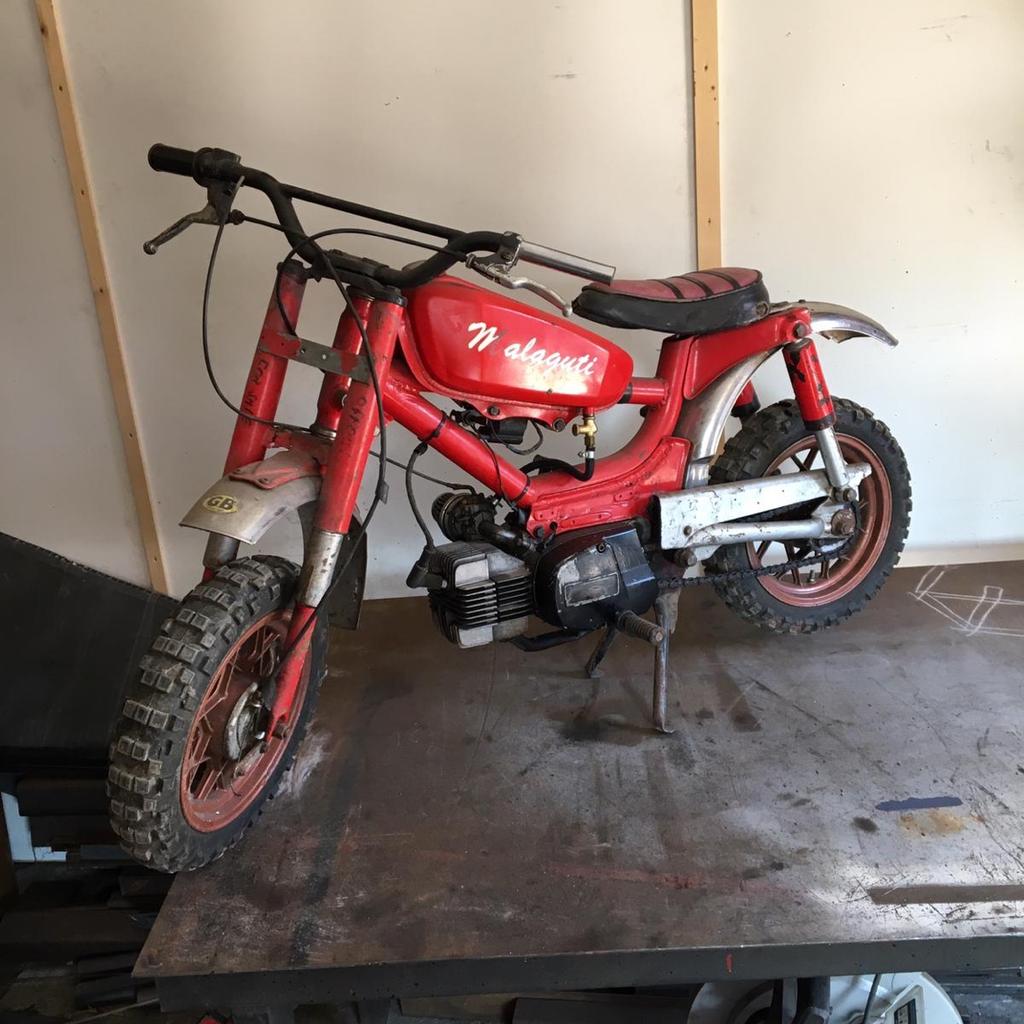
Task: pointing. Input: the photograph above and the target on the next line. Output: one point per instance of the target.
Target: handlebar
(208, 166)
(172, 160)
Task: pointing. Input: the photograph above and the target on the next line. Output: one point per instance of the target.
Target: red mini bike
(797, 522)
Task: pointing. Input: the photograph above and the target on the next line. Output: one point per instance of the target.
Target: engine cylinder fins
(478, 594)
(584, 580)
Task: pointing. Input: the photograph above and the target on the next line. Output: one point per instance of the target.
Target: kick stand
(666, 611)
(658, 635)
(593, 665)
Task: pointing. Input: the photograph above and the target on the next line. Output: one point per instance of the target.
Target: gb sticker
(221, 503)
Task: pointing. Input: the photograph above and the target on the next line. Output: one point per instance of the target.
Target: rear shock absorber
(815, 404)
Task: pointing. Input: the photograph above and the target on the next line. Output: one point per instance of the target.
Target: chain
(670, 581)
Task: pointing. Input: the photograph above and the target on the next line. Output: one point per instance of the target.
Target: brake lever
(499, 273)
(209, 214)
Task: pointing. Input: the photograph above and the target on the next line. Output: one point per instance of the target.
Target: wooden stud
(706, 170)
(92, 245)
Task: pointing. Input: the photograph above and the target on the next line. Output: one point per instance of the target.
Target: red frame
(622, 486)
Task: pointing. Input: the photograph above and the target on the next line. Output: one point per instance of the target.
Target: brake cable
(207, 288)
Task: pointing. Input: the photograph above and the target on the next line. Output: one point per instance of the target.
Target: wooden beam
(706, 170)
(85, 208)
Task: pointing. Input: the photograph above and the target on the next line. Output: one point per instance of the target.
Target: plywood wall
(65, 485)
(873, 154)
(870, 153)
(566, 121)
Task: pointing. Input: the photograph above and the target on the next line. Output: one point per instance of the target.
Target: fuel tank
(498, 354)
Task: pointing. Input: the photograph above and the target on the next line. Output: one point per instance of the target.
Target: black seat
(696, 303)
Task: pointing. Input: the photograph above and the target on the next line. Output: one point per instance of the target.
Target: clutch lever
(499, 273)
(218, 207)
(207, 215)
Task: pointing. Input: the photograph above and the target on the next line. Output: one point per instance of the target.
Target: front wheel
(832, 588)
(190, 767)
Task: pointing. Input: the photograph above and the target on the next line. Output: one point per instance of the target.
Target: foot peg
(633, 625)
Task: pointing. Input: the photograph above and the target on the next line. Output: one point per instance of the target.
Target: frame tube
(406, 406)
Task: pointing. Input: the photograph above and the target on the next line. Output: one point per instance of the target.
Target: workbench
(493, 821)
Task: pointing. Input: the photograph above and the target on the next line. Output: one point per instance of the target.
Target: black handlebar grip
(171, 159)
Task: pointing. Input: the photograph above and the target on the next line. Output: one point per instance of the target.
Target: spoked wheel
(191, 762)
(848, 573)
(843, 564)
(228, 757)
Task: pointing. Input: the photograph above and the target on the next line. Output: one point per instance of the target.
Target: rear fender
(704, 421)
(840, 323)
(244, 504)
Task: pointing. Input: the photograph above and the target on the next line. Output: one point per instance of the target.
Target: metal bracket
(504, 259)
(323, 357)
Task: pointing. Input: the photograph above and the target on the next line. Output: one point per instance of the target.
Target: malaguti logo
(484, 335)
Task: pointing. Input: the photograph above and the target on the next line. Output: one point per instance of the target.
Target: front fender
(243, 505)
(245, 511)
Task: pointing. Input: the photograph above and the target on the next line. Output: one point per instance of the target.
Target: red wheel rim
(831, 578)
(215, 790)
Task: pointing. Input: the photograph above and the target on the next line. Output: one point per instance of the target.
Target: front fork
(353, 423)
(346, 416)
(253, 432)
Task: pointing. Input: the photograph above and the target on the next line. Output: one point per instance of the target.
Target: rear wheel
(846, 576)
(190, 765)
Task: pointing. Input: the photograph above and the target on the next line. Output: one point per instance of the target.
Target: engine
(486, 583)
(478, 593)
(588, 578)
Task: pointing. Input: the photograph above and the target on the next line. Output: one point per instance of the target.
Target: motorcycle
(796, 523)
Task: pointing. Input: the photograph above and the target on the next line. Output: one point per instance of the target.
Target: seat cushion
(696, 303)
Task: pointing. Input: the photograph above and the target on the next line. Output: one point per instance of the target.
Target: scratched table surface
(491, 820)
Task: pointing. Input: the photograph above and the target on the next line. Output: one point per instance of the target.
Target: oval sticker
(221, 503)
